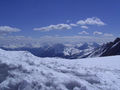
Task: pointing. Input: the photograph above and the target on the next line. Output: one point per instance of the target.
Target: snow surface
(20, 70)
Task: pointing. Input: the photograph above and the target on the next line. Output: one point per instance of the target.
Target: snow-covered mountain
(60, 50)
(109, 49)
(20, 70)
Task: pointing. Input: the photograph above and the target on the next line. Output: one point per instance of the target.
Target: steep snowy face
(23, 71)
(109, 49)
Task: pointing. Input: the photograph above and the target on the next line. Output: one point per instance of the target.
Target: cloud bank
(21, 41)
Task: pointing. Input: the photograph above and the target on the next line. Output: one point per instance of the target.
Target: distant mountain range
(59, 50)
(82, 50)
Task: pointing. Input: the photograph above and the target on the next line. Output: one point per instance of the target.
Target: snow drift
(20, 70)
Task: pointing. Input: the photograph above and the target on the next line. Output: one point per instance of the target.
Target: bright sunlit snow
(20, 70)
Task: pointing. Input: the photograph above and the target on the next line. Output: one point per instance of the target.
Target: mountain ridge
(108, 49)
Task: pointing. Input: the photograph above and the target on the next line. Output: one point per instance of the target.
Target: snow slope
(20, 70)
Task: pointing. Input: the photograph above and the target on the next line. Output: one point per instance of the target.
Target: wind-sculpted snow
(24, 71)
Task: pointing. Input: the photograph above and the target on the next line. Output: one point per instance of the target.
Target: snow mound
(20, 70)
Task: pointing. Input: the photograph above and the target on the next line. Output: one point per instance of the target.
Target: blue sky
(22, 17)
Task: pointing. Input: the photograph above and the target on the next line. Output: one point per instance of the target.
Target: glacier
(20, 70)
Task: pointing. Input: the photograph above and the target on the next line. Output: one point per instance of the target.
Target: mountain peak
(116, 40)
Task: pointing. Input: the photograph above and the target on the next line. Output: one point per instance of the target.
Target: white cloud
(68, 21)
(83, 32)
(73, 25)
(108, 35)
(54, 27)
(84, 27)
(97, 33)
(8, 29)
(103, 34)
(91, 21)
(82, 23)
